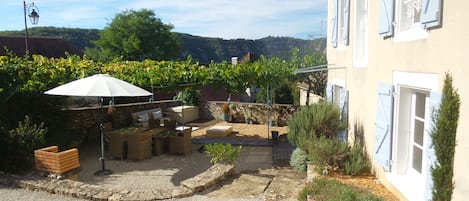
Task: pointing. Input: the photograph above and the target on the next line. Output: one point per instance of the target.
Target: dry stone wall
(66, 187)
(279, 113)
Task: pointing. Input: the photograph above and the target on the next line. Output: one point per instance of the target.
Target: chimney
(234, 60)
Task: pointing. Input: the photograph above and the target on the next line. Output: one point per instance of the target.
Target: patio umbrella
(99, 85)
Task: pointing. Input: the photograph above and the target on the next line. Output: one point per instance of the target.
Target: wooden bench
(50, 160)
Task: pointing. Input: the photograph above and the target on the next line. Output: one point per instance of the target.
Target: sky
(228, 19)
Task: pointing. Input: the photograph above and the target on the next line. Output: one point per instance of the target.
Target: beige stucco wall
(446, 49)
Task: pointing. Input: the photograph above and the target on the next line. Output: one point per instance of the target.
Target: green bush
(298, 159)
(22, 142)
(327, 153)
(311, 122)
(222, 153)
(443, 134)
(190, 96)
(356, 163)
(322, 189)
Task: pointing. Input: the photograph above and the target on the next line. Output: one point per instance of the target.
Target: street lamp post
(34, 16)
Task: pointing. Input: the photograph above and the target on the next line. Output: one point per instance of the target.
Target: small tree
(443, 134)
(137, 35)
(22, 142)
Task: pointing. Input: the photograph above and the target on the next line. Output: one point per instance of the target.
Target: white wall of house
(313, 98)
(412, 61)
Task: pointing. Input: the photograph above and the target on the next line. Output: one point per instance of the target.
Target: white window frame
(340, 32)
(341, 25)
(409, 183)
(361, 33)
(414, 32)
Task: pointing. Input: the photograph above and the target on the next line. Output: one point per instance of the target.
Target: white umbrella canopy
(99, 85)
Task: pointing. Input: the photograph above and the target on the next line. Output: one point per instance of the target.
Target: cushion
(157, 115)
(219, 131)
(143, 117)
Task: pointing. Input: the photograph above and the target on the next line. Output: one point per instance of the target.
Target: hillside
(204, 49)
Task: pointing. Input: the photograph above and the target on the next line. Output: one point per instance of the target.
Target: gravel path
(17, 194)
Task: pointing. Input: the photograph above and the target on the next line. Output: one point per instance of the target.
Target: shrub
(332, 190)
(23, 140)
(328, 153)
(443, 134)
(311, 122)
(190, 96)
(298, 159)
(222, 153)
(356, 163)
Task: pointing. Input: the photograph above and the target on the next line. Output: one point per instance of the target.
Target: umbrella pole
(103, 171)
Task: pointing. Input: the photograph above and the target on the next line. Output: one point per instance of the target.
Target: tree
(316, 81)
(138, 35)
(445, 121)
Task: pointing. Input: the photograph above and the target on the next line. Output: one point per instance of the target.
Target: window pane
(418, 132)
(417, 159)
(409, 13)
(420, 105)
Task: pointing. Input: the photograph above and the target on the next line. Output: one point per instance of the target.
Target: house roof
(45, 46)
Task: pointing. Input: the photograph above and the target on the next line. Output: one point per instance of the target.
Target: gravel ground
(241, 130)
(163, 171)
(16, 194)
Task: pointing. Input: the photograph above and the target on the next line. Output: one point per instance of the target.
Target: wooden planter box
(50, 160)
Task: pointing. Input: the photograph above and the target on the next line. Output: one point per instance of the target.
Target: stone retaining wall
(279, 113)
(83, 190)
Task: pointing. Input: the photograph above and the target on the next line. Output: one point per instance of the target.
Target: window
(409, 25)
(360, 46)
(409, 15)
(411, 18)
(338, 94)
(417, 130)
(402, 139)
(411, 142)
(340, 23)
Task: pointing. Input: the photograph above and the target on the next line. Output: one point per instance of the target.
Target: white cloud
(214, 18)
(243, 18)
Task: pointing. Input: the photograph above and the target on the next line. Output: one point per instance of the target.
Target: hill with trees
(203, 49)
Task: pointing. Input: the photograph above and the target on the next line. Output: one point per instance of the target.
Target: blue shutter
(431, 13)
(384, 109)
(344, 114)
(386, 17)
(346, 21)
(329, 92)
(335, 23)
(435, 99)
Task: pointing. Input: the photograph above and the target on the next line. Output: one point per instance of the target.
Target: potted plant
(225, 109)
(248, 118)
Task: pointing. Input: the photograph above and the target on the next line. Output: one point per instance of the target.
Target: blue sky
(248, 19)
